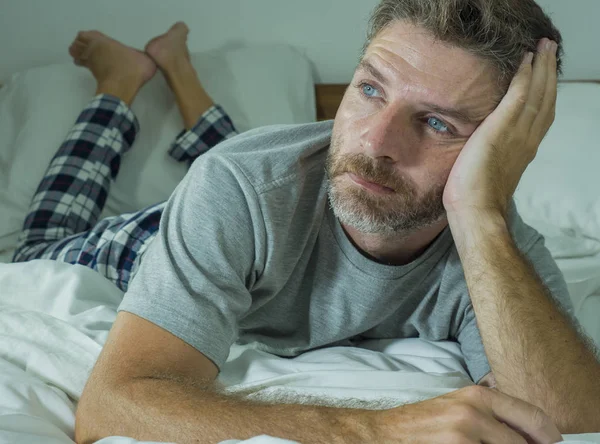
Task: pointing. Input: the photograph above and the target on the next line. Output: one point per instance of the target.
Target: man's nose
(386, 135)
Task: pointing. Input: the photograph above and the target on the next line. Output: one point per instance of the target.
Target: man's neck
(397, 249)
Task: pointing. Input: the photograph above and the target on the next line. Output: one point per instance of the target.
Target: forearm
(534, 351)
(174, 411)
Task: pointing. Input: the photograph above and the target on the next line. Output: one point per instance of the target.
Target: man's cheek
(438, 176)
(356, 110)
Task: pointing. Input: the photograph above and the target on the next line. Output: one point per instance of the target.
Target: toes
(151, 42)
(85, 53)
(83, 37)
(76, 54)
(181, 27)
(96, 34)
(86, 37)
(78, 45)
(76, 48)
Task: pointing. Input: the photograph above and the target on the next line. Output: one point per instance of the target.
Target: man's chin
(364, 218)
(378, 218)
(370, 203)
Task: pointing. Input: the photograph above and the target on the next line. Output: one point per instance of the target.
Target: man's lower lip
(370, 185)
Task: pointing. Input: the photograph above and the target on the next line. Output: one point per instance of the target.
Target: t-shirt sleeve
(540, 257)
(193, 279)
(469, 335)
(471, 346)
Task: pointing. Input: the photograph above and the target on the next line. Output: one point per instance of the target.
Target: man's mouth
(372, 186)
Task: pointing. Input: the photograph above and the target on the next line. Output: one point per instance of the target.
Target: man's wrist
(359, 425)
(472, 227)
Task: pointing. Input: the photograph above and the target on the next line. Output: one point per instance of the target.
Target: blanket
(54, 319)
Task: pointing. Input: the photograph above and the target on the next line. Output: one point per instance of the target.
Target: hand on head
(489, 167)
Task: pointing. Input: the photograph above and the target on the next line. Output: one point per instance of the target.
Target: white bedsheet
(55, 317)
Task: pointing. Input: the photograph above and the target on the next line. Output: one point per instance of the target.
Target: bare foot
(169, 48)
(170, 53)
(111, 62)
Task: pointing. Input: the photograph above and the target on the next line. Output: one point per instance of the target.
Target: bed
(54, 318)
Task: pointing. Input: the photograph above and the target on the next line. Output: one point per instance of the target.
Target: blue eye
(438, 125)
(369, 90)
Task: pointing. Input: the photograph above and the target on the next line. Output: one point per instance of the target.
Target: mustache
(367, 168)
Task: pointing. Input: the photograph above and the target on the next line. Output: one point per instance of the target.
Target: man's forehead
(412, 62)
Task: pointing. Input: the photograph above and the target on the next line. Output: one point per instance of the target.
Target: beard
(391, 214)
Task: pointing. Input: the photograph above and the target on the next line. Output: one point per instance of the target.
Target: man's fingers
(532, 111)
(524, 417)
(547, 110)
(496, 432)
(537, 91)
(511, 107)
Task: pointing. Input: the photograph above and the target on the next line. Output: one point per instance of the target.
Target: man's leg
(206, 124)
(170, 53)
(71, 196)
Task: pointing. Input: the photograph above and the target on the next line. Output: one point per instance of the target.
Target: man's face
(411, 107)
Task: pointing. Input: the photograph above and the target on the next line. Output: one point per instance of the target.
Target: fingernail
(528, 58)
(549, 45)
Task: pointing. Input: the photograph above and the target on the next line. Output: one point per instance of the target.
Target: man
(428, 146)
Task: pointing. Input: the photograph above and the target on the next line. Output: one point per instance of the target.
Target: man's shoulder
(268, 154)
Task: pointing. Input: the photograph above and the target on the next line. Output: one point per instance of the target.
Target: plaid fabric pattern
(62, 223)
(214, 127)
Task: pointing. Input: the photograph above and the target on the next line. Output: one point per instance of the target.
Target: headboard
(329, 97)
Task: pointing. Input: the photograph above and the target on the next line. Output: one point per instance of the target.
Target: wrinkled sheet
(55, 317)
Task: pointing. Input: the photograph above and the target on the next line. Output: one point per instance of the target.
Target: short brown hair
(500, 31)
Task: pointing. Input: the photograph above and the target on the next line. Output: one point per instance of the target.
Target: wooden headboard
(329, 97)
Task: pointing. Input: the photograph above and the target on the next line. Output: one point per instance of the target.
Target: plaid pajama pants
(62, 223)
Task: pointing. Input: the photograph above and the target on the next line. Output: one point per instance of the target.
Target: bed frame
(329, 97)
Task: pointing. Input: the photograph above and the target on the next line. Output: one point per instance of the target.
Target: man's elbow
(90, 423)
(576, 424)
(83, 429)
(581, 414)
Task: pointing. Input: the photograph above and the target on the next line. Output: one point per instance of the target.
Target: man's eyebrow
(367, 66)
(461, 115)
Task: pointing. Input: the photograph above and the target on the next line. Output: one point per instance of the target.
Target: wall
(329, 32)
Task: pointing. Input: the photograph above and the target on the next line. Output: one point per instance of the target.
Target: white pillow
(582, 276)
(257, 86)
(561, 187)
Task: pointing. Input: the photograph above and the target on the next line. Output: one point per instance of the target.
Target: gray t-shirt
(249, 251)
